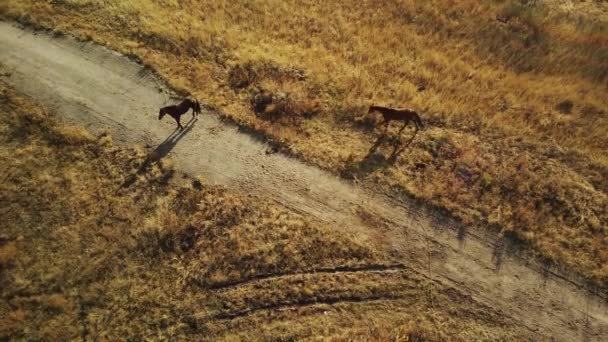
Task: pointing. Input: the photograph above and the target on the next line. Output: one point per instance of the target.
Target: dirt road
(100, 89)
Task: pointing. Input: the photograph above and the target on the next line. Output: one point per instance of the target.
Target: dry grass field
(513, 94)
(94, 246)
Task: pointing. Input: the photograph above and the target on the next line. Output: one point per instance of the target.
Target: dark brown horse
(176, 111)
(405, 115)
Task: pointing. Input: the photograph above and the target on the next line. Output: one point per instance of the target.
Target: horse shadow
(399, 147)
(374, 159)
(160, 152)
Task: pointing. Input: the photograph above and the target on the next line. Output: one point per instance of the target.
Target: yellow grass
(87, 252)
(513, 95)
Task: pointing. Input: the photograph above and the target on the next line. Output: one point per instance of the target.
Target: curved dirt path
(95, 87)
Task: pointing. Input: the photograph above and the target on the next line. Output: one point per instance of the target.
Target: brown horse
(176, 111)
(405, 115)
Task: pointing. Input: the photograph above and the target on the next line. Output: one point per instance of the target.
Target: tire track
(307, 302)
(335, 269)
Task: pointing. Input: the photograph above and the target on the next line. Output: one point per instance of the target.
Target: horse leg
(385, 123)
(402, 128)
(412, 138)
(419, 123)
(177, 118)
(396, 152)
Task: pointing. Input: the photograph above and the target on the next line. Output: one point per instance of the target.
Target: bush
(565, 107)
(280, 105)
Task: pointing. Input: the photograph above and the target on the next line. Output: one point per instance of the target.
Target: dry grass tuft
(12, 322)
(8, 252)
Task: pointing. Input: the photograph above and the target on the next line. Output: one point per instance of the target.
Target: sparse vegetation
(513, 93)
(89, 252)
(500, 151)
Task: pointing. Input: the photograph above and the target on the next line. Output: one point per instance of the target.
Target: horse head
(161, 113)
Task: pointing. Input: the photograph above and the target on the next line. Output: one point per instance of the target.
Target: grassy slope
(499, 149)
(93, 245)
